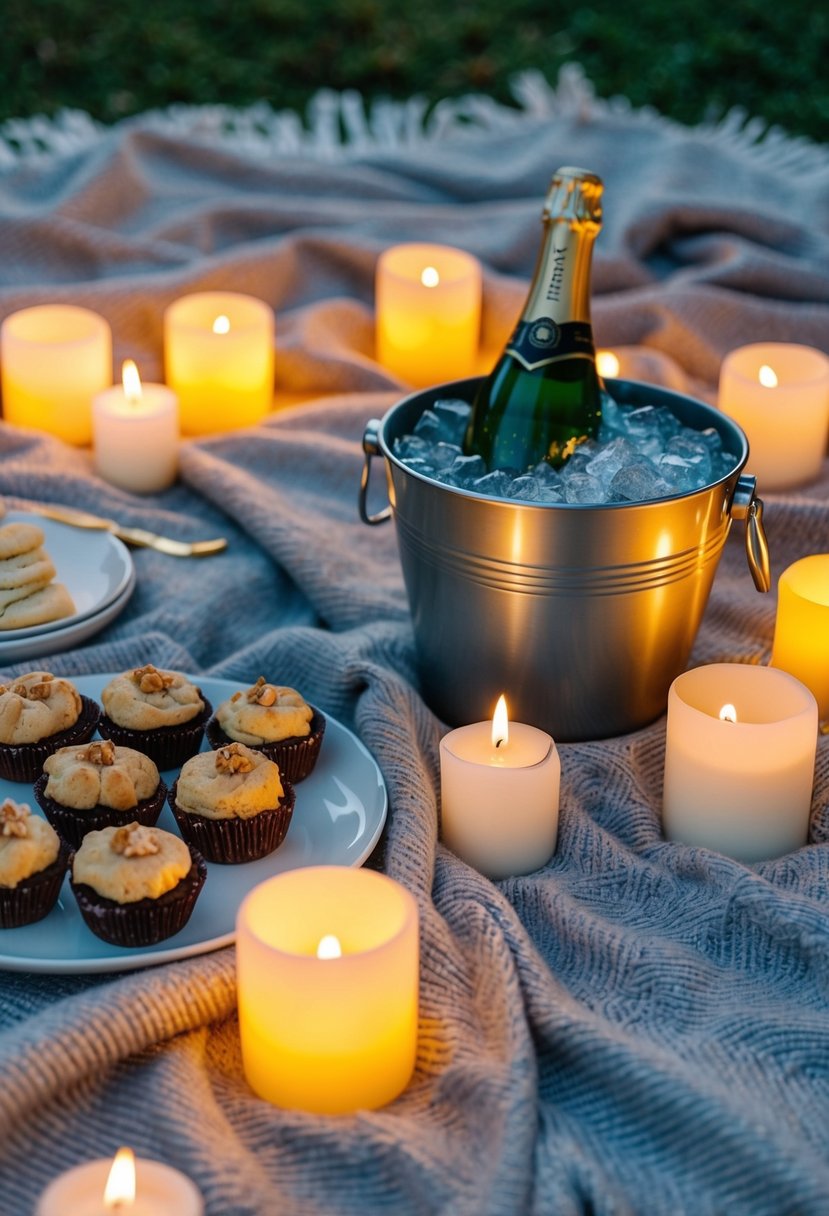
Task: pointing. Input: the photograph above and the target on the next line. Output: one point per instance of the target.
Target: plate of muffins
(138, 808)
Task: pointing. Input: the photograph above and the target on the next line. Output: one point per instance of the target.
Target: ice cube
(525, 487)
(453, 418)
(638, 482)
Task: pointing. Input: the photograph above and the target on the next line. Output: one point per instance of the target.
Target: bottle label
(541, 341)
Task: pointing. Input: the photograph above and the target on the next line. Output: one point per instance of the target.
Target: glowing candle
(135, 433)
(499, 784)
(779, 395)
(327, 969)
(54, 358)
(801, 633)
(124, 1185)
(219, 359)
(739, 760)
(428, 312)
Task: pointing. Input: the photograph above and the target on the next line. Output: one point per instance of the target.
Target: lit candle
(739, 760)
(801, 632)
(499, 784)
(219, 359)
(327, 970)
(779, 394)
(135, 433)
(428, 312)
(54, 358)
(124, 1185)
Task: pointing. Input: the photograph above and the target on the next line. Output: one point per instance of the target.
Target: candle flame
(131, 381)
(429, 276)
(728, 713)
(607, 364)
(221, 325)
(120, 1187)
(500, 723)
(767, 376)
(329, 947)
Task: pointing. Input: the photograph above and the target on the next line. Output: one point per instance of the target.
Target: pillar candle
(54, 358)
(739, 760)
(328, 1026)
(219, 360)
(801, 632)
(499, 784)
(154, 1189)
(779, 394)
(135, 434)
(428, 312)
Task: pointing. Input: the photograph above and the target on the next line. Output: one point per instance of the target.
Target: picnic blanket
(639, 1027)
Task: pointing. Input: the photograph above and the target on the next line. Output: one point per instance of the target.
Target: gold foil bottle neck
(574, 195)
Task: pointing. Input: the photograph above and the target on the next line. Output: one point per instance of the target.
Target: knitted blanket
(639, 1027)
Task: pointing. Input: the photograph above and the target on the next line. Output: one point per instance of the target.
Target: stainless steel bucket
(582, 615)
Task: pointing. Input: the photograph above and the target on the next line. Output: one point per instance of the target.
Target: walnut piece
(262, 693)
(150, 679)
(134, 840)
(13, 816)
(232, 759)
(35, 692)
(98, 753)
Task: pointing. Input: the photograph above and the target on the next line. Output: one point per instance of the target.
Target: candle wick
(499, 742)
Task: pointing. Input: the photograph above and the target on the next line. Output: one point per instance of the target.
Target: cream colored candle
(801, 632)
(328, 1025)
(219, 360)
(739, 760)
(779, 395)
(124, 1185)
(135, 434)
(499, 784)
(54, 358)
(428, 313)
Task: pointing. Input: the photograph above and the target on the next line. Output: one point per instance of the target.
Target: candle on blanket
(54, 358)
(428, 312)
(135, 433)
(499, 784)
(327, 970)
(739, 760)
(801, 632)
(779, 395)
(122, 1184)
(219, 359)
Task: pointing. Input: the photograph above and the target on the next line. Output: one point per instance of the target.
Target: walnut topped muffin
(38, 714)
(33, 861)
(160, 713)
(275, 720)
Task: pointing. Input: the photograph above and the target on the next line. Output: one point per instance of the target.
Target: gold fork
(130, 536)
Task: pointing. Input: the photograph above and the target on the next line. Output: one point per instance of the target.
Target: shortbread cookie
(10, 595)
(26, 569)
(19, 538)
(49, 603)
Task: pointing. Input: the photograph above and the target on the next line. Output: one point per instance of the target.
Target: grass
(690, 59)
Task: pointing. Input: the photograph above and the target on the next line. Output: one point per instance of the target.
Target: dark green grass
(690, 59)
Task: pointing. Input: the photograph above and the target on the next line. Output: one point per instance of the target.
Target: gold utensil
(131, 536)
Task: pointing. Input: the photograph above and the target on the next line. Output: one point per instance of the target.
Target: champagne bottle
(544, 395)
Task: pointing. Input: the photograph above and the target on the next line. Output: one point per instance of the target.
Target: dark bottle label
(542, 341)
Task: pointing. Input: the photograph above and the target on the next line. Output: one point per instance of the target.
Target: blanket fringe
(343, 125)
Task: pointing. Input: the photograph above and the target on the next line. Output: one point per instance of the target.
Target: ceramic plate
(339, 814)
(63, 636)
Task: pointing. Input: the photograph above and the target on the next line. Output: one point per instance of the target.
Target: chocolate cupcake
(33, 862)
(40, 713)
(232, 804)
(136, 886)
(98, 786)
(275, 721)
(159, 713)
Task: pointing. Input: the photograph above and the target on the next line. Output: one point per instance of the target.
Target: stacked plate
(98, 572)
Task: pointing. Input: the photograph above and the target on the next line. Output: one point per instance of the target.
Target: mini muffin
(275, 721)
(33, 863)
(40, 713)
(135, 885)
(159, 713)
(98, 786)
(232, 804)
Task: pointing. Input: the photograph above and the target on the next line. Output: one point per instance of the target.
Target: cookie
(19, 538)
(49, 603)
(26, 569)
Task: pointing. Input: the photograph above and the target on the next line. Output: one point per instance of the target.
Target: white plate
(62, 636)
(339, 815)
(95, 568)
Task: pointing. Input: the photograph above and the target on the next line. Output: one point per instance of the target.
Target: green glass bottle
(544, 395)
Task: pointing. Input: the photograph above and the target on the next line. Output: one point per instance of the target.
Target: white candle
(739, 760)
(499, 784)
(219, 359)
(428, 312)
(54, 358)
(327, 970)
(801, 632)
(135, 434)
(104, 1187)
(779, 395)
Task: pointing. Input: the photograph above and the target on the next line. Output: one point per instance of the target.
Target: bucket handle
(371, 447)
(746, 505)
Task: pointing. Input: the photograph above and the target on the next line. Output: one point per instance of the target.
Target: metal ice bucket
(582, 615)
